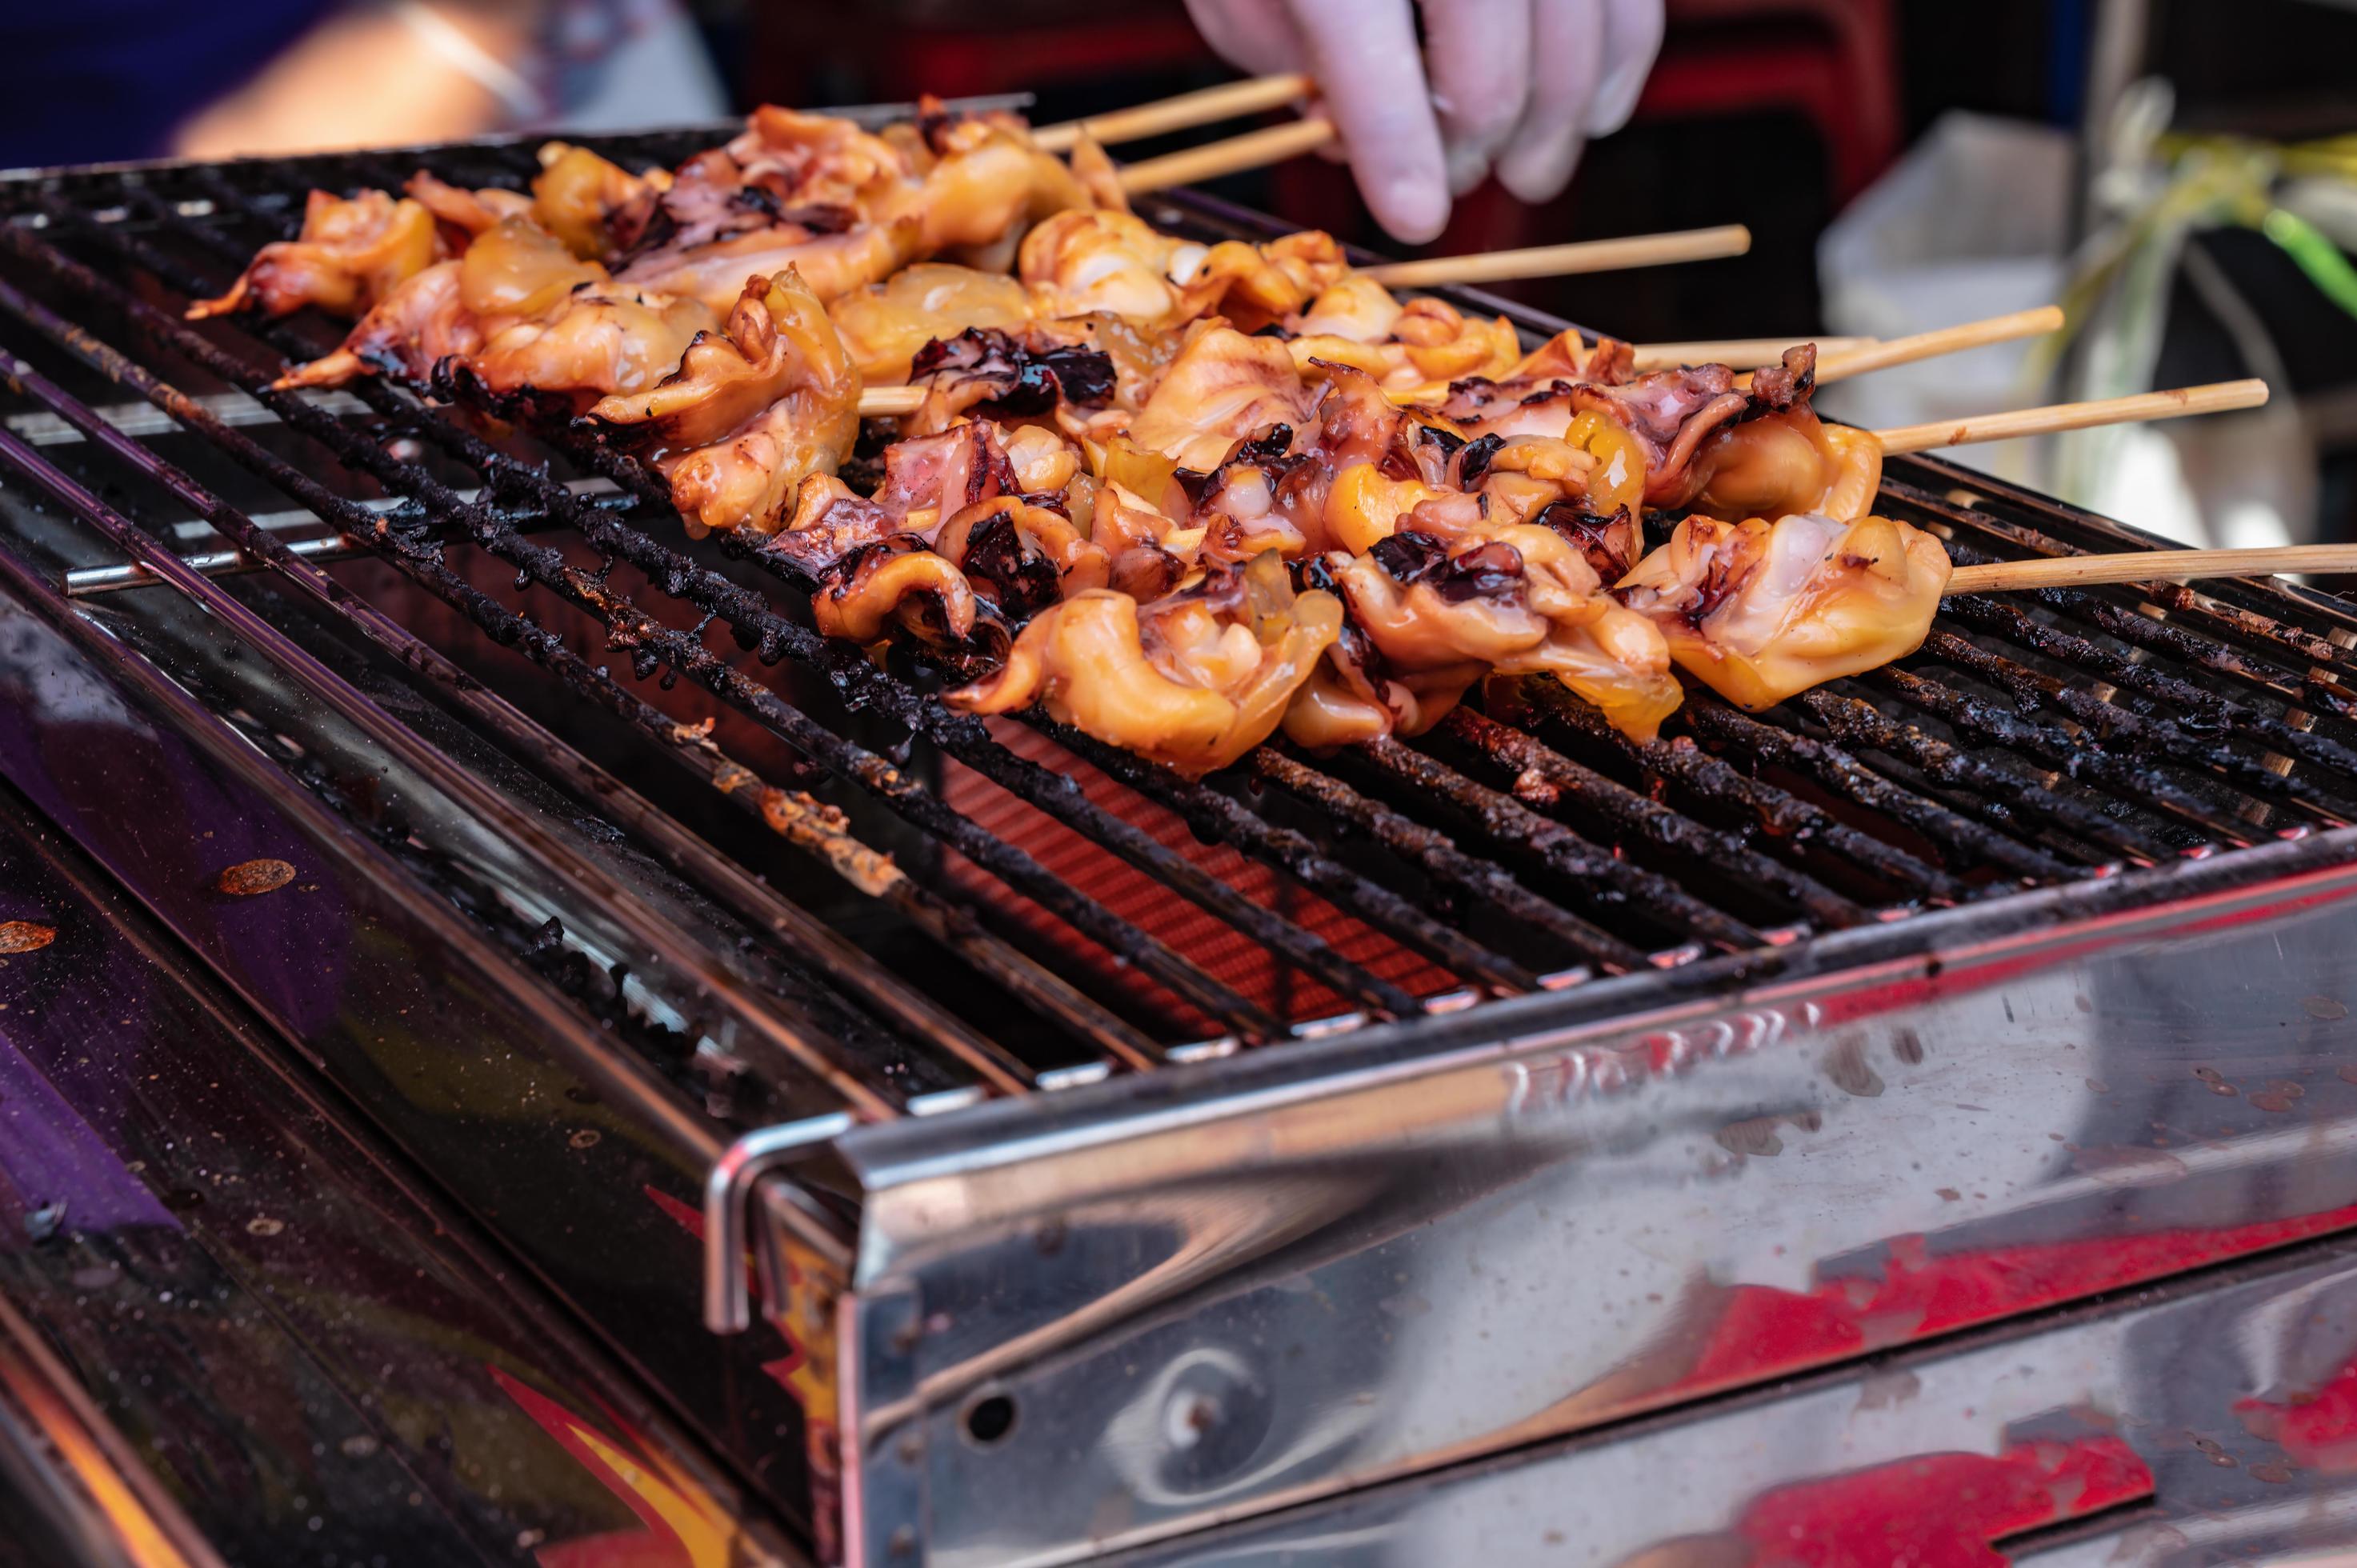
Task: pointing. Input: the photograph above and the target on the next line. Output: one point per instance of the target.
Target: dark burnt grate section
(1522, 845)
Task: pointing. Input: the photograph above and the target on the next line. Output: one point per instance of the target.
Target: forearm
(373, 75)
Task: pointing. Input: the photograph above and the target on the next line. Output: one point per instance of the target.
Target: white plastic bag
(1971, 221)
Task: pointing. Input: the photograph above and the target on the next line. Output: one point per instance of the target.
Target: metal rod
(1609, 878)
(2157, 736)
(1787, 819)
(1544, 775)
(2000, 796)
(1440, 857)
(2005, 620)
(1209, 809)
(2081, 757)
(84, 581)
(1837, 769)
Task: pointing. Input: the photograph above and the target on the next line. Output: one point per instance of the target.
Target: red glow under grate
(1227, 955)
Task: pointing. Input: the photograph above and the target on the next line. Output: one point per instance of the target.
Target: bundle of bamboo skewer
(1841, 357)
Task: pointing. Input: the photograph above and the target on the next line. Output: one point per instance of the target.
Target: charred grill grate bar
(1526, 846)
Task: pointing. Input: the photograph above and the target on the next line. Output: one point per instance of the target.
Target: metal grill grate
(2033, 740)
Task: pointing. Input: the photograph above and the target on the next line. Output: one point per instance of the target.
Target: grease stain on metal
(249, 878)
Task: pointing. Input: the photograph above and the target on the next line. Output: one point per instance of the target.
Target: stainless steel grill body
(1603, 1080)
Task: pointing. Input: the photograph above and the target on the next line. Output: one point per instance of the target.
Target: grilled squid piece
(1366, 506)
(1150, 551)
(1222, 387)
(884, 323)
(406, 334)
(844, 206)
(831, 523)
(1193, 681)
(1413, 349)
(1254, 285)
(1760, 611)
(1785, 462)
(1021, 556)
(804, 190)
(591, 204)
(514, 272)
(1097, 175)
(997, 375)
(750, 412)
(895, 582)
(1780, 459)
(1514, 600)
(1354, 308)
(927, 480)
(1081, 261)
(981, 183)
(604, 343)
(462, 213)
(831, 263)
(350, 254)
(813, 160)
(601, 342)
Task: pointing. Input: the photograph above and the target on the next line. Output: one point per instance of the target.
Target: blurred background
(2182, 175)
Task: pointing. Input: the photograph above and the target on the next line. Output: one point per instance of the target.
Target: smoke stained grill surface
(759, 882)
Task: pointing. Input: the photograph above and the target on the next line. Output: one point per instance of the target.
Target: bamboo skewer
(1736, 353)
(890, 403)
(1253, 149)
(1561, 260)
(2215, 397)
(883, 403)
(1229, 101)
(1833, 366)
(2149, 566)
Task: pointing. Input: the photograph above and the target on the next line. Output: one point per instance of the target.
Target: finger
(1632, 37)
(1479, 52)
(1363, 54)
(1252, 35)
(1567, 59)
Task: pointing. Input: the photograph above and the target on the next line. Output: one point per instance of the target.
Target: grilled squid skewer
(350, 254)
(1429, 617)
(750, 412)
(1760, 611)
(1193, 681)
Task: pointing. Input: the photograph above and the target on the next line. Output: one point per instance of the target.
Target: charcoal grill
(995, 1149)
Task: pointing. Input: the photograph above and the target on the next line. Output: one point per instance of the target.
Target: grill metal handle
(728, 1218)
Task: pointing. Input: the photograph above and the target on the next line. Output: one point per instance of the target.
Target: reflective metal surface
(1154, 1305)
(71, 1491)
(240, 1332)
(571, 1146)
(2206, 1425)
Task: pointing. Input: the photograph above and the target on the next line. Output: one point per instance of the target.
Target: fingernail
(1616, 99)
(1414, 210)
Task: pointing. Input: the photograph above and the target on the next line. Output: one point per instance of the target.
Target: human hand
(1519, 84)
